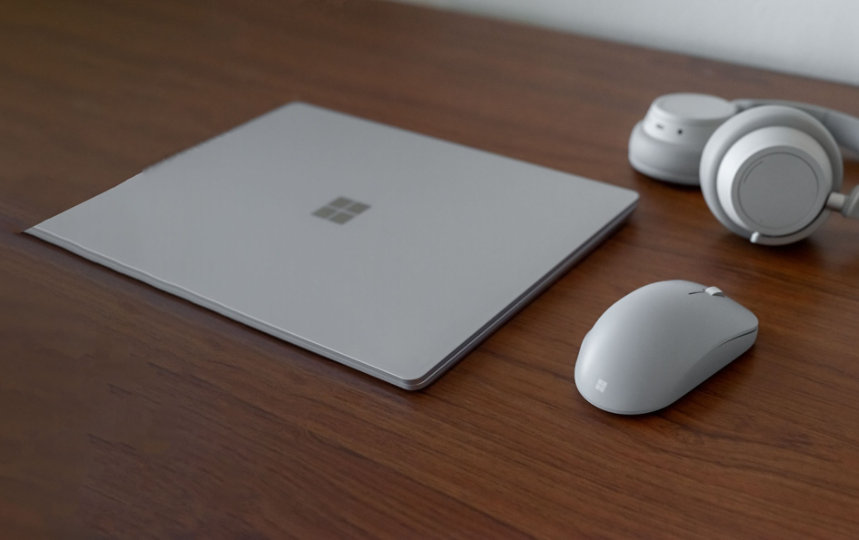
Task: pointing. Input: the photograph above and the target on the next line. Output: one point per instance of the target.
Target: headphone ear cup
(678, 163)
(667, 143)
(767, 173)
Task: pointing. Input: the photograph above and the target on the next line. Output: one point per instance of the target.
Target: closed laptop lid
(389, 251)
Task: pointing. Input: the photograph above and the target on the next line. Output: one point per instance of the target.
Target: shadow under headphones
(769, 170)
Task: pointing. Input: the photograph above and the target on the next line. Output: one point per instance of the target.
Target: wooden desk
(127, 412)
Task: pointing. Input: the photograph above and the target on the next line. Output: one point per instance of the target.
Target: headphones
(769, 170)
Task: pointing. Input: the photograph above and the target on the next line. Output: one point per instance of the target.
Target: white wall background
(816, 38)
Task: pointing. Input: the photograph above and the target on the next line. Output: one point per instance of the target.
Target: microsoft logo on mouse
(341, 210)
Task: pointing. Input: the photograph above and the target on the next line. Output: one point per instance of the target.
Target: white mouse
(659, 342)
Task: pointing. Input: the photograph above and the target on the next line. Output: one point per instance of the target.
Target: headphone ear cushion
(756, 124)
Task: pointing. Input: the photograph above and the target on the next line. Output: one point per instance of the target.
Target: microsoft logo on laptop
(341, 210)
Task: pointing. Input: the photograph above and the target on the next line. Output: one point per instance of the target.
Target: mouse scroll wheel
(714, 291)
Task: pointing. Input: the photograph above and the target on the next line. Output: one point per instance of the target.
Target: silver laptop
(388, 251)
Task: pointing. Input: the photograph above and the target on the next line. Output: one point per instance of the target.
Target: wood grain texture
(125, 412)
